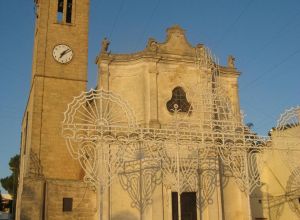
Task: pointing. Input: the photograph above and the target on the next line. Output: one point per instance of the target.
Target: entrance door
(188, 206)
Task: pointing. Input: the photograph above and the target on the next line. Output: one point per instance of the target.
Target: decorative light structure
(187, 154)
(286, 137)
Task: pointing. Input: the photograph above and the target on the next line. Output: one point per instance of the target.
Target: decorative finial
(175, 29)
(105, 44)
(152, 45)
(230, 61)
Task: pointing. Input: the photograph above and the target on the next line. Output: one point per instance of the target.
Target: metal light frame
(101, 132)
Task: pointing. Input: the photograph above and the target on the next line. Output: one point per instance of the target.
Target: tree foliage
(0, 201)
(10, 183)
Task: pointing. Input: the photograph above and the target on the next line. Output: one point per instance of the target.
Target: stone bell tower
(59, 72)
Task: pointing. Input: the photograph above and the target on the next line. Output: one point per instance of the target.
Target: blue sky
(263, 35)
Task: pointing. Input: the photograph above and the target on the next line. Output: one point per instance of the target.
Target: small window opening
(178, 101)
(60, 11)
(259, 201)
(67, 204)
(69, 11)
(299, 200)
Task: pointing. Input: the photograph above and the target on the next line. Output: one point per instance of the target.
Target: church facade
(151, 81)
(167, 82)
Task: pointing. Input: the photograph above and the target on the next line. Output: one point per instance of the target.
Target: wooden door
(188, 206)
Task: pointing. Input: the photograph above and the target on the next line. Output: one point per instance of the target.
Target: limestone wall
(277, 198)
(84, 200)
(146, 80)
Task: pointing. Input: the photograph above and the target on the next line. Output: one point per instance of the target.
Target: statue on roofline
(105, 44)
(230, 61)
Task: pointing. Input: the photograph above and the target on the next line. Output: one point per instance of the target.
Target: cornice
(175, 49)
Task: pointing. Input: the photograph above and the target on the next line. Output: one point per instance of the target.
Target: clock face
(62, 53)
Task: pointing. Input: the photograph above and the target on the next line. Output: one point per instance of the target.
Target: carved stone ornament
(230, 61)
(105, 44)
(152, 45)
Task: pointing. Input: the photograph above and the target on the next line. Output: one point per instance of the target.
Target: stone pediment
(176, 43)
(175, 47)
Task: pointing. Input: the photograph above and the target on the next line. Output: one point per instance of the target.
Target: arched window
(179, 100)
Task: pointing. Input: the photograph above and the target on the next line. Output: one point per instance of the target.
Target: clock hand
(64, 52)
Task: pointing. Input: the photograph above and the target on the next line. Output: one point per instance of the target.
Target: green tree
(10, 183)
(0, 201)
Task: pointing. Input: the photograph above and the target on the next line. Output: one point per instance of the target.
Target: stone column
(103, 74)
(214, 210)
(158, 205)
(236, 98)
(153, 95)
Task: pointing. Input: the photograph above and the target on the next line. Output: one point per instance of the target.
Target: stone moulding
(175, 48)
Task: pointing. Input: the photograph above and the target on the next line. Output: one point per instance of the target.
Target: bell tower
(59, 72)
(61, 39)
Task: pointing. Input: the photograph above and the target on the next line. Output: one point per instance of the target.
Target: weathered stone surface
(44, 155)
(145, 79)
